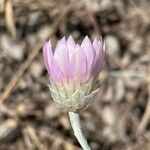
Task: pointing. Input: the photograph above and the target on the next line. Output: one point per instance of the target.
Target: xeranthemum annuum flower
(73, 71)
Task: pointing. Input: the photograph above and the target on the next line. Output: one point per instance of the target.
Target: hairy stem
(75, 123)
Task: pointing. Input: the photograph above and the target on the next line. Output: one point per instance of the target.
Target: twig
(9, 16)
(17, 76)
(7, 111)
(2, 5)
(30, 136)
(10, 87)
(146, 117)
(129, 74)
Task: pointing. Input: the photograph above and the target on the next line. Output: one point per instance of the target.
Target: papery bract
(73, 70)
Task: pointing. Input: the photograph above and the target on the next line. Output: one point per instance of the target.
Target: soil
(119, 119)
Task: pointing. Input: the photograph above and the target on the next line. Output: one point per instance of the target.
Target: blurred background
(120, 117)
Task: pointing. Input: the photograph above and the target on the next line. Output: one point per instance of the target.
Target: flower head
(73, 70)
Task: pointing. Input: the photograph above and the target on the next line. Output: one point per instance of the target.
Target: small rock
(9, 131)
(106, 4)
(12, 48)
(44, 32)
(95, 145)
(22, 84)
(126, 59)
(33, 18)
(120, 90)
(90, 126)
(109, 116)
(22, 110)
(112, 45)
(76, 34)
(110, 134)
(93, 5)
(69, 146)
(32, 39)
(64, 122)
(136, 46)
(52, 112)
(36, 69)
(130, 96)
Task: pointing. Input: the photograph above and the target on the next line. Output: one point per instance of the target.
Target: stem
(75, 123)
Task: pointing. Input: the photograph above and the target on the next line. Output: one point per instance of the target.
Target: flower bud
(73, 70)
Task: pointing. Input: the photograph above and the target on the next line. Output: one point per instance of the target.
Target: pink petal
(70, 44)
(89, 52)
(47, 47)
(61, 56)
(100, 56)
(78, 65)
(50, 64)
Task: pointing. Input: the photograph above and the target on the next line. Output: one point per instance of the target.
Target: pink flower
(73, 70)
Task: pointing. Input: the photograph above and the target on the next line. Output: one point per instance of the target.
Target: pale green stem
(75, 123)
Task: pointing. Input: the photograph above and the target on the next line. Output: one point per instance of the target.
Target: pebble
(112, 45)
(110, 134)
(13, 49)
(95, 145)
(106, 4)
(9, 131)
(136, 46)
(69, 146)
(109, 116)
(36, 69)
(22, 84)
(52, 112)
(64, 122)
(44, 32)
(126, 59)
(130, 96)
(120, 90)
(33, 17)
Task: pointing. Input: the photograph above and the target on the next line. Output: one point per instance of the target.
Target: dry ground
(120, 117)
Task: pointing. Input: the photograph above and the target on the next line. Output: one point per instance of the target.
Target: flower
(73, 70)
